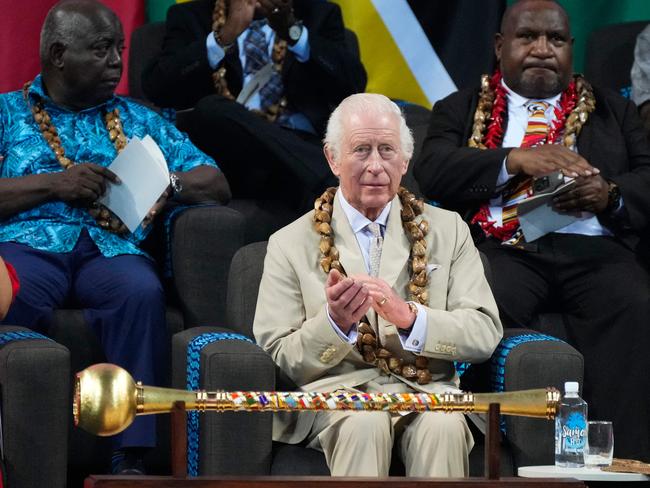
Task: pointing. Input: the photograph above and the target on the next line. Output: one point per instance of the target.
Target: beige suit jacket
(291, 320)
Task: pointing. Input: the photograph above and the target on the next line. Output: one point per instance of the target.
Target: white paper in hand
(537, 217)
(143, 171)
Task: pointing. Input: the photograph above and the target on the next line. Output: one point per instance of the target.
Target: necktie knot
(375, 229)
(537, 108)
(255, 48)
(537, 127)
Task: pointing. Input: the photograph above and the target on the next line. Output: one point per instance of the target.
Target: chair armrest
(204, 239)
(35, 385)
(231, 443)
(523, 360)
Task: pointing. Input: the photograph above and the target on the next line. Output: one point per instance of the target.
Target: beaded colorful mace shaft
(338, 400)
(107, 400)
(533, 403)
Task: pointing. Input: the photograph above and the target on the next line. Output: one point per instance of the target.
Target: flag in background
(157, 9)
(586, 16)
(20, 30)
(407, 45)
(422, 50)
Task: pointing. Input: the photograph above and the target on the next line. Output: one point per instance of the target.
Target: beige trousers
(431, 444)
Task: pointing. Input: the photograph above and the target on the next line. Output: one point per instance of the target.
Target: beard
(537, 85)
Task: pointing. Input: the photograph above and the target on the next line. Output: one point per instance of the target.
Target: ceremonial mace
(106, 400)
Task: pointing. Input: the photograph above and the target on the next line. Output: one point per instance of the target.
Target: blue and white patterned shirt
(55, 226)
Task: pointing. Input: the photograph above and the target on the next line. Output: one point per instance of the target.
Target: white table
(583, 474)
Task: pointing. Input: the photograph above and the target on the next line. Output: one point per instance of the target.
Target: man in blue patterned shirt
(69, 118)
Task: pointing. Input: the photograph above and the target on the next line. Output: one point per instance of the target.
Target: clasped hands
(83, 184)
(349, 299)
(590, 192)
(279, 14)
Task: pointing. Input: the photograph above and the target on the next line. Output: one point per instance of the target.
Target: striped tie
(376, 242)
(537, 128)
(520, 187)
(256, 50)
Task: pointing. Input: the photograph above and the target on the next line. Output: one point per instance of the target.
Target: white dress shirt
(514, 134)
(411, 341)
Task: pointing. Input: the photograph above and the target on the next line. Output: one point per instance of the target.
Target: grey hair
(365, 102)
(64, 22)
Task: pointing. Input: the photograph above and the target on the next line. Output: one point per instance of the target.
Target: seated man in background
(57, 136)
(482, 153)
(377, 292)
(266, 139)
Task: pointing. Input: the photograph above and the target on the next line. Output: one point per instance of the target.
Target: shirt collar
(516, 100)
(357, 220)
(37, 90)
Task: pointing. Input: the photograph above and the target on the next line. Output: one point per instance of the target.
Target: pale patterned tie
(376, 242)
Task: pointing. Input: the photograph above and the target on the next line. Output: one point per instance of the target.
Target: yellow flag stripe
(388, 71)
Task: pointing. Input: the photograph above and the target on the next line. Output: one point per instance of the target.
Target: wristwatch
(613, 196)
(295, 31)
(175, 183)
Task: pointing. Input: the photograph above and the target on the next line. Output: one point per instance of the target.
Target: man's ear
(498, 44)
(55, 53)
(329, 155)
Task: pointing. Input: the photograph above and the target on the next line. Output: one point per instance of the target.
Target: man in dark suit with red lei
(267, 140)
(493, 147)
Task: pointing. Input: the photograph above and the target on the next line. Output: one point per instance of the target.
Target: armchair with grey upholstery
(524, 360)
(41, 447)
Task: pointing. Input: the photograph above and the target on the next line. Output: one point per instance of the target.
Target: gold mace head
(104, 399)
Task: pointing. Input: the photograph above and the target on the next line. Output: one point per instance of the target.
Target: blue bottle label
(574, 433)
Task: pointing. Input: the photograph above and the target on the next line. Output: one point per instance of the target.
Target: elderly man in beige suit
(375, 291)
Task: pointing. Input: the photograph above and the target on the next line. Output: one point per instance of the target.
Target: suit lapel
(346, 242)
(584, 143)
(234, 70)
(396, 249)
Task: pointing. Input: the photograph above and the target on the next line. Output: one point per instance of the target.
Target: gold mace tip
(104, 399)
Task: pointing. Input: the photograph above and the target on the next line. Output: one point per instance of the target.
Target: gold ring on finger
(383, 300)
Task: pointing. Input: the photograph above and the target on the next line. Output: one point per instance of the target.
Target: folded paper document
(144, 176)
(537, 217)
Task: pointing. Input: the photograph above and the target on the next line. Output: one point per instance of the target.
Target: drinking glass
(599, 448)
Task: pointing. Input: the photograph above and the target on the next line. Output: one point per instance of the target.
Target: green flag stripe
(157, 9)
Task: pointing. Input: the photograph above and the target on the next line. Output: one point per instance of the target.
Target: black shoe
(128, 462)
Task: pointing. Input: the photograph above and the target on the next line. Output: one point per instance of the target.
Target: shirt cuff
(350, 337)
(504, 176)
(414, 341)
(301, 48)
(618, 211)
(215, 51)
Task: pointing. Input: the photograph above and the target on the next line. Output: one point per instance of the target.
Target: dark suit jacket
(181, 75)
(612, 140)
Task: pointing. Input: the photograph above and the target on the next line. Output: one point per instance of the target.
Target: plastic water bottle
(571, 428)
